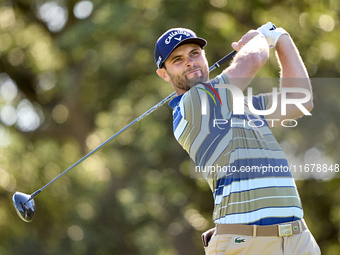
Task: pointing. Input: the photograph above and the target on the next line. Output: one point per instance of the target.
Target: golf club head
(24, 207)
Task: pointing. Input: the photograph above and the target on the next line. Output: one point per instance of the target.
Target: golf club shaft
(223, 60)
(217, 64)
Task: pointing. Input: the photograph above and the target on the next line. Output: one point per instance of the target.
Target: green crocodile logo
(240, 240)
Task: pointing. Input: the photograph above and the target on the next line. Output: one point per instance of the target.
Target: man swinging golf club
(254, 213)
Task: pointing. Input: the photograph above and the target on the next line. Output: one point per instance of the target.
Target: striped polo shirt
(243, 163)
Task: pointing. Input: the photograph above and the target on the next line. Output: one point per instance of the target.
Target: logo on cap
(159, 60)
(174, 33)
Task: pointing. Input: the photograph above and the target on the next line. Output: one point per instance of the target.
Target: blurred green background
(72, 73)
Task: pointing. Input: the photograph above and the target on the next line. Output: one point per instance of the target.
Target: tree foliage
(72, 73)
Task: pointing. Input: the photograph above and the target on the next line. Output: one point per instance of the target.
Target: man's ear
(163, 74)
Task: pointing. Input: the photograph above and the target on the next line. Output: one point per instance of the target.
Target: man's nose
(190, 62)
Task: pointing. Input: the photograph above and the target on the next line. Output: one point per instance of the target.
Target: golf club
(24, 204)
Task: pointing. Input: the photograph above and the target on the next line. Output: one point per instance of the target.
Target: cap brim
(199, 41)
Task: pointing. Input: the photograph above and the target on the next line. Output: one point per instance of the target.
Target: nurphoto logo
(239, 105)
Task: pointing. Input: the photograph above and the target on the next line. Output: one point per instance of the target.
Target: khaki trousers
(299, 244)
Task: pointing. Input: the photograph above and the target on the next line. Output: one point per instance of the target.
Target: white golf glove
(272, 33)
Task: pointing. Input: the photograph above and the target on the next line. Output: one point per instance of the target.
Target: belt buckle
(285, 230)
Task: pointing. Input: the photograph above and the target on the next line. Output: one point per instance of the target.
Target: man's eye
(195, 53)
(177, 60)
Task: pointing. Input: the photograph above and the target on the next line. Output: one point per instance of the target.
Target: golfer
(254, 212)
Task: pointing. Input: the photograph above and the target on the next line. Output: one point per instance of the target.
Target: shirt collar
(175, 101)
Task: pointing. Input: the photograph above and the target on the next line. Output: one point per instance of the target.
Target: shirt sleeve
(260, 102)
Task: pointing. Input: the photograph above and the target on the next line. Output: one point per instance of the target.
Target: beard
(182, 82)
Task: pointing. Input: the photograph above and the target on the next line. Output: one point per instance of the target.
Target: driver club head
(24, 207)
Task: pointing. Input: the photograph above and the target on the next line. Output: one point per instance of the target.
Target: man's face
(187, 66)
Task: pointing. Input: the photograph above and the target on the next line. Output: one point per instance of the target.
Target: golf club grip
(223, 60)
